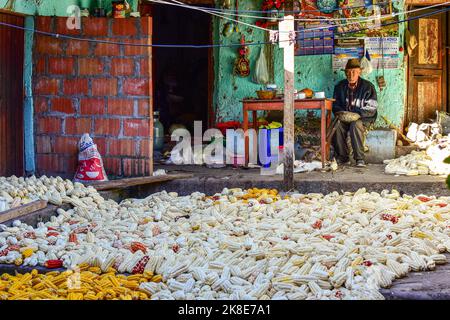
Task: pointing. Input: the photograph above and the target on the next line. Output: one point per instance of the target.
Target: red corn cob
(30, 235)
(136, 246)
(54, 234)
(317, 224)
(53, 264)
(327, 236)
(73, 238)
(424, 199)
(175, 248)
(140, 266)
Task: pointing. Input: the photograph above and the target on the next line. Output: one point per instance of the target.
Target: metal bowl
(347, 116)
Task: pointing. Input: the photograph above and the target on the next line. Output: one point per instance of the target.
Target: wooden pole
(285, 27)
(150, 94)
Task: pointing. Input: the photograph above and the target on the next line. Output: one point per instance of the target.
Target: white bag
(261, 74)
(366, 65)
(90, 164)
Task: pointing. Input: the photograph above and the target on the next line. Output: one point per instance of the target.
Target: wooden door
(427, 75)
(11, 95)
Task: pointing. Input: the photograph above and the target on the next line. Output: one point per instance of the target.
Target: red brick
(66, 145)
(122, 147)
(62, 28)
(40, 67)
(43, 144)
(60, 65)
(143, 110)
(136, 87)
(133, 128)
(78, 126)
(133, 167)
(95, 27)
(64, 105)
(146, 25)
(107, 126)
(144, 148)
(40, 104)
(112, 165)
(145, 71)
(104, 87)
(140, 50)
(101, 145)
(92, 106)
(46, 86)
(124, 27)
(71, 164)
(107, 49)
(122, 67)
(90, 66)
(48, 45)
(49, 163)
(44, 23)
(121, 107)
(76, 86)
(77, 48)
(48, 125)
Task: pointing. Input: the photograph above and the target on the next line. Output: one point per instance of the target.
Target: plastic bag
(90, 164)
(366, 65)
(261, 74)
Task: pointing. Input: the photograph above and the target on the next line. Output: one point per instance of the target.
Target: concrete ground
(348, 178)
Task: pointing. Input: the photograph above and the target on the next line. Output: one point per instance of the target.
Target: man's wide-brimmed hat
(352, 64)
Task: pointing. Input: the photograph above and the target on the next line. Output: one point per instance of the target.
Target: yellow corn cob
(134, 277)
(18, 261)
(96, 270)
(357, 261)
(27, 252)
(114, 281)
(131, 284)
(157, 278)
(121, 290)
(51, 274)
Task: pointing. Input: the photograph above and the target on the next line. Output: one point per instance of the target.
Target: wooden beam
(151, 97)
(285, 27)
(16, 213)
(129, 182)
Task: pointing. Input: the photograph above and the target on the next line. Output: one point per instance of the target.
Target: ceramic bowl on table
(266, 94)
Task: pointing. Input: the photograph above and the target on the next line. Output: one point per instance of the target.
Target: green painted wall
(57, 7)
(313, 72)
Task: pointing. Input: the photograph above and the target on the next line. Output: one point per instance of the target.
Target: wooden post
(150, 93)
(285, 27)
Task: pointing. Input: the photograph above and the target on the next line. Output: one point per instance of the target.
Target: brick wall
(96, 88)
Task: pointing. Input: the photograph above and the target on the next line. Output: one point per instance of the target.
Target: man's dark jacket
(364, 101)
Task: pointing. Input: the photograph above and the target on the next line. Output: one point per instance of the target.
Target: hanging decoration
(242, 64)
(273, 7)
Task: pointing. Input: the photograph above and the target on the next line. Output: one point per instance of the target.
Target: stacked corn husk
(237, 244)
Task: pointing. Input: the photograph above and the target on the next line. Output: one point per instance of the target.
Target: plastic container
(268, 146)
(158, 132)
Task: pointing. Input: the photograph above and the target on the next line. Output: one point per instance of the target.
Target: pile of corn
(85, 283)
(236, 244)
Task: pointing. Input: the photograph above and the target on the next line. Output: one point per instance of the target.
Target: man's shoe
(343, 162)
(360, 163)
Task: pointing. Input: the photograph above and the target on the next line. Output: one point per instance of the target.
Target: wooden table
(323, 105)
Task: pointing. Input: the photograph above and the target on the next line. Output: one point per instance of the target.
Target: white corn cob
(315, 289)
(439, 258)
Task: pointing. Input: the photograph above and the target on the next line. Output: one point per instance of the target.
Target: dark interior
(181, 74)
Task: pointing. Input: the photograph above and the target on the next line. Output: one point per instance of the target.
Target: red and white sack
(90, 164)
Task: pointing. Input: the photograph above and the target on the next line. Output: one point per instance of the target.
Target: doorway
(11, 95)
(182, 76)
(428, 68)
